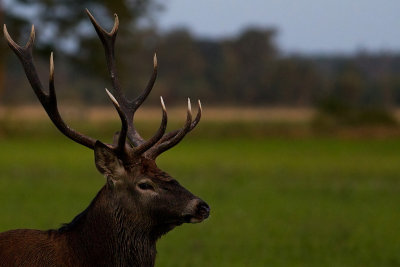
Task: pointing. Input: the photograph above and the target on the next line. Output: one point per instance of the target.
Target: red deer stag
(137, 205)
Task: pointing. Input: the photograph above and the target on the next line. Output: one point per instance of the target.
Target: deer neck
(105, 235)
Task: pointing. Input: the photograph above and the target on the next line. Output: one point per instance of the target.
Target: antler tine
(142, 97)
(48, 101)
(180, 134)
(192, 126)
(25, 56)
(120, 148)
(52, 90)
(127, 107)
(158, 135)
(14, 45)
(100, 29)
(108, 41)
(198, 116)
(133, 135)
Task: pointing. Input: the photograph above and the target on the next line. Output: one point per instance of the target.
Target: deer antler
(159, 142)
(126, 109)
(48, 101)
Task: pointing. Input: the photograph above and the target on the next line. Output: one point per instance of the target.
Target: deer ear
(107, 162)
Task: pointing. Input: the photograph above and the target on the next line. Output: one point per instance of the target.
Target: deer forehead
(142, 168)
(157, 174)
(149, 168)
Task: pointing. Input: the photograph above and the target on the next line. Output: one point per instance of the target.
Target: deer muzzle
(197, 211)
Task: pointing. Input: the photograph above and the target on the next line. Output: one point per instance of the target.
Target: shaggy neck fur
(105, 235)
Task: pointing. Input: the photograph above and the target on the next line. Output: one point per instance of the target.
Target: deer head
(136, 188)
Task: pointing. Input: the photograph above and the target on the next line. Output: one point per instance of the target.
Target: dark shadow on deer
(137, 205)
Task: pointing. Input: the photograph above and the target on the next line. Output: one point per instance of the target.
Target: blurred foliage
(248, 69)
(356, 97)
(333, 114)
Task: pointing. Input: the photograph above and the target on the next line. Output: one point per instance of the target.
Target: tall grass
(274, 201)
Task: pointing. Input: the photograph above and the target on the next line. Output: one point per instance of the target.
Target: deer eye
(145, 186)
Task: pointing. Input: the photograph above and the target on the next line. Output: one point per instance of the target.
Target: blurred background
(298, 149)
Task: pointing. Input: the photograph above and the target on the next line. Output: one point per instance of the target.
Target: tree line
(247, 69)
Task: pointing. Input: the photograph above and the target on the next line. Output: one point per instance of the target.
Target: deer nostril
(203, 209)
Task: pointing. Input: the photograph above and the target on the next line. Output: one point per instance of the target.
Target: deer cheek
(148, 196)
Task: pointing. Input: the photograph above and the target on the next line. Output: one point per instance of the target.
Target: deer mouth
(193, 219)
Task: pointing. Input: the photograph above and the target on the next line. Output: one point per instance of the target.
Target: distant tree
(294, 81)
(349, 85)
(245, 69)
(185, 67)
(355, 98)
(211, 51)
(248, 63)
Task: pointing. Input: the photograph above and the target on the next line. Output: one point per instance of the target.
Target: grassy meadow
(276, 199)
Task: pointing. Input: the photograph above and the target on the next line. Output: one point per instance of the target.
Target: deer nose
(197, 211)
(203, 210)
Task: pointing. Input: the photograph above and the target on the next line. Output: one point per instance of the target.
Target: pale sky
(309, 26)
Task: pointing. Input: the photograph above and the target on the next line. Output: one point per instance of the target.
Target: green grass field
(274, 201)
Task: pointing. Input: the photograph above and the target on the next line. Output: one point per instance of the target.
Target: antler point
(189, 106)
(112, 98)
(162, 103)
(92, 19)
(5, 31)
(155, 61)
(31, 37)
(116, 24)
(51, 64)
